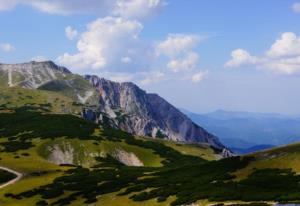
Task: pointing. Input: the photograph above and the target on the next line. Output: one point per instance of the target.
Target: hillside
(48, 146)
(66, 160)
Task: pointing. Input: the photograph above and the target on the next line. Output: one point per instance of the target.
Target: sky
(201, 55)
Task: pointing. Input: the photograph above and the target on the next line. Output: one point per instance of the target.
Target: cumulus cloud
(287, 45)
(296, 7)
(198, 77)
(188, 62)
(39, 58)
(283, 57)
(152, 77)
(138, 8)
(63, 7)
(6, 47)
(176, 44)
(179, 51)
(126, 60)
(105, 41)
(141, 78)
(7, 4)
(240, 57)
(125, 8)
(118, 76)
(71, 33)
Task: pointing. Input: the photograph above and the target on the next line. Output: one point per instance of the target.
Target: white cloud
(39, 59)
(142, 78)
(125, 8)
(126, 60)
(71, 33)
(240, 57)
(179, 50)
(283, 57)
(151, 78)
(137, 8)
(188, 62)
(198, 77)
(7, 4)
(106, 41)
(118, 76)
(6, 47)
(63, 7)
(176, 44)
(287, 45)
(296, 7)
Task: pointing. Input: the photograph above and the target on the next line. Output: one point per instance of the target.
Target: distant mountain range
(246, 131)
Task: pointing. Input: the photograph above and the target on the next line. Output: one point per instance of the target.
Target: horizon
(205, 59)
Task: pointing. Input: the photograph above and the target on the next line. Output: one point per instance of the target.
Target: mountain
(125, 104)
(225, 115)
(31, 75)
(251, 149)
(245, 129)
(147, 114)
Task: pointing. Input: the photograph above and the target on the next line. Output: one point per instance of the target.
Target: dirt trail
(19, 176)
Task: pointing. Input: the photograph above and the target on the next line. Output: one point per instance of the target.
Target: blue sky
(201, 55)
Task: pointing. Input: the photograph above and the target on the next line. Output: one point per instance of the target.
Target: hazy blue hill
(245, 129)
(251, 149)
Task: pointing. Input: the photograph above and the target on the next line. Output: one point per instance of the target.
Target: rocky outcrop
(144, 114)
(61, 154)
(48, 76)
(31, 75)
(127, 158)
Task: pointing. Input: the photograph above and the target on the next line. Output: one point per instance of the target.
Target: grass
(204, 152)
(26, 183)
(71, 86)
(286, 157)
(84, 151)
(18, 97)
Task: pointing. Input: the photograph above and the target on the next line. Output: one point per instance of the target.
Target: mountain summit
(147, 114)
(125, 104)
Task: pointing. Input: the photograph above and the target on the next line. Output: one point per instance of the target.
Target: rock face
(127, 158)
(63, 155)
(31, 75)
(144, 114)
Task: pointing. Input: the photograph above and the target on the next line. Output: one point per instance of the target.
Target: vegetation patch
(6, 176)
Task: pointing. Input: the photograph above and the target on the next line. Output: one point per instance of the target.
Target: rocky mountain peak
(32, 74)
(141, 113)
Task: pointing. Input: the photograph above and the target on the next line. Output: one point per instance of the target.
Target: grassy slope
(71, 86)
(204, 152)
(56, 103)
(283, 157)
